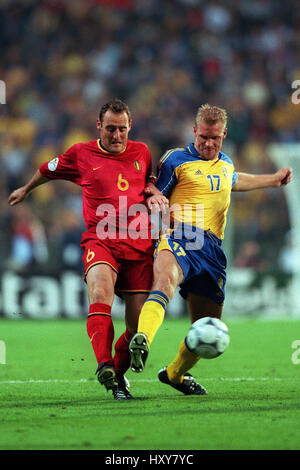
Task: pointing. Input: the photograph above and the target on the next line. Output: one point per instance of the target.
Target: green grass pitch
(50, 399)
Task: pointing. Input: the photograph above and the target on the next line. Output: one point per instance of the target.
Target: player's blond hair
(211, 115)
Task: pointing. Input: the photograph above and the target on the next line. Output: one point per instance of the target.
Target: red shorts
(132, 260)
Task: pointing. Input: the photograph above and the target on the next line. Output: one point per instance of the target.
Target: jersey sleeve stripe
(170, 183)
(167, 154)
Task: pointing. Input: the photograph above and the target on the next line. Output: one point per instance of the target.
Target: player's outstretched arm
(248, 182)
(18, 195)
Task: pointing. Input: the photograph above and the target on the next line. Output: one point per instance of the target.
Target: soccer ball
(207, 337)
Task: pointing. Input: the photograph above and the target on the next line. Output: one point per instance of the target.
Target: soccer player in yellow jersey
(198, 180)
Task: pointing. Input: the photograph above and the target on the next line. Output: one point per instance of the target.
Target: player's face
(209, 139)
(114, 131)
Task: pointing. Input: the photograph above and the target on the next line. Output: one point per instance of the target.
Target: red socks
(101, 331)
(122, 356)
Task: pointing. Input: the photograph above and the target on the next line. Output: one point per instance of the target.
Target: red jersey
(111, 183)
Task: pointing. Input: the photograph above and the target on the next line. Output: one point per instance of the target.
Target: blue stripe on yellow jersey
(199, 190)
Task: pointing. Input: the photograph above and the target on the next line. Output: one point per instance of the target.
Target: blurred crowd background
(61, 60)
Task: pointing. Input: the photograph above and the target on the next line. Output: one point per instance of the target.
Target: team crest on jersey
(52, 165)
(225, 171)
(138, 165)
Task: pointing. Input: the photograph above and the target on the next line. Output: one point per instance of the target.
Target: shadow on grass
(184, 405)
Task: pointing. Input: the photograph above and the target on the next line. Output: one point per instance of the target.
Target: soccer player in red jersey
(113, 172)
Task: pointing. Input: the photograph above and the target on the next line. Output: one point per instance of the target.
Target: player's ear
(98, 124)
(129, 125)
(195, 130)
(225, 133)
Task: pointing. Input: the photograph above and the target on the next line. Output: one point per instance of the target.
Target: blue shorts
(201, 259)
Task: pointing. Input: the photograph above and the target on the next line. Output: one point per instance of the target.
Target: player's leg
(101, 279)
(167, 276)
(134, 283)
(204, 292)
(200, 306)
(134, 302)
(177, 371)
(133, 305)
(101, 271)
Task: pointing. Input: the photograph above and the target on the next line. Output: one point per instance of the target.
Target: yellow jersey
(199, 190)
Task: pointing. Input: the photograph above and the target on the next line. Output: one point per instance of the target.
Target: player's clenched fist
(284, 176)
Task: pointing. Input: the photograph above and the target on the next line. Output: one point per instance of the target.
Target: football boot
(121, 392)
(189, 386)
(107, 376)
(138, 348)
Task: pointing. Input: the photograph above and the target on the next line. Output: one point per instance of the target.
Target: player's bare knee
(101, 293)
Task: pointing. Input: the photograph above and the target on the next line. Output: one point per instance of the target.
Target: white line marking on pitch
(228, 379)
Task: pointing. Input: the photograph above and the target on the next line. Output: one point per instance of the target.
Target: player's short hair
(211, 115)
(116, 106)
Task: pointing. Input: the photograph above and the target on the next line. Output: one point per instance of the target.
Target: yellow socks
(183, 362)
(151, 318)
(152, 314)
